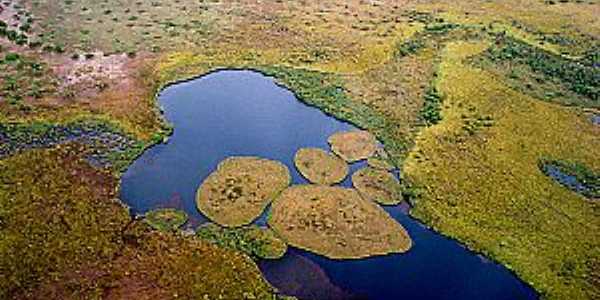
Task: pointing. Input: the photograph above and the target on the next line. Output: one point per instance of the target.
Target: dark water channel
(231, 113)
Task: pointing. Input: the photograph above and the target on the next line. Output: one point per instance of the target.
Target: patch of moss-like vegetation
(258, 242)
(320, 167)
(353, 146)
(574, 176)
(109, 146)
(56, 213)
(336, 222)
(23, 77)
(240, 189)
(65, 236)
(166, 219)
(377, 185)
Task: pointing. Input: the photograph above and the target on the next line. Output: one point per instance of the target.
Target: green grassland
(467, 96)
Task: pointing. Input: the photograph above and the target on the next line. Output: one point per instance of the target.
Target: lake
(243, 113)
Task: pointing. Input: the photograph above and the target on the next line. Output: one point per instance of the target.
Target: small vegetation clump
(320, 167)
(353, 145)
(377, 185)
(431, 113)
(574, 176)
(336, 222)
(240, 189)
(258, 242)
(166, 219)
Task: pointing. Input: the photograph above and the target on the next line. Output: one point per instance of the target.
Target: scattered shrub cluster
(579, 77)
(23, 77)
(431, 113)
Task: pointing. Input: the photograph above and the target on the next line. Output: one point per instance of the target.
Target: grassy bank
(483, 185)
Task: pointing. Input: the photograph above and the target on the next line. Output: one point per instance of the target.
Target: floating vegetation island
(320, 167)
(166, 219)
(240, 189)
(378, 185)
(354, 145)
(336, 222)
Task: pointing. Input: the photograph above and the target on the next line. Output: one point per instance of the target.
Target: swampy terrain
(484, 181)
(244, 113)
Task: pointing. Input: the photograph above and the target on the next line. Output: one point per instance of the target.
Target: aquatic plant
(258, 242)
(319, 166)
(377, 185)
(240, 189)
(336, 222)
(166, 219)
(353, 145)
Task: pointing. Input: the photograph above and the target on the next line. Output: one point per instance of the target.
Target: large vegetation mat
(240, 189)
(354, 145)
(377, 185)
(336, 222)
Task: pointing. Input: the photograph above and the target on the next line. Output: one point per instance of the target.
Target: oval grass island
(336, 222)
(240, 189)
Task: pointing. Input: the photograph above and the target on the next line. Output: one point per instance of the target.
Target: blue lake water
(230, 113)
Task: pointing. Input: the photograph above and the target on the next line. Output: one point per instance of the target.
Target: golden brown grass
(320, 167)
(377, 185)
(353, 145)
(240, 189)
(336, 222)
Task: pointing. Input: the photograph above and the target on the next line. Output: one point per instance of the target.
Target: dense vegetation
(89, 71)
(579, 76)
(66, 237)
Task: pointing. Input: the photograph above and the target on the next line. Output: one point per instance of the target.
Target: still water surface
(230, 113)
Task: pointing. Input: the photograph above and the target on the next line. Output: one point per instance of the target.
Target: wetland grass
(320, 167)
(336, 222)
(240, 189)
